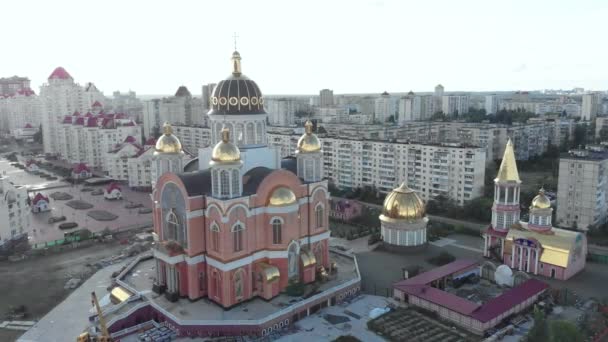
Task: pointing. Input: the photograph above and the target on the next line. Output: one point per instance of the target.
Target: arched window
(238, 134)
(319, 216)
(215, 237)
(235, 182)
(215, 182)
(224, 183)
(239, 287)
(250, 136)
(277, 227)
(172, 226)
(259, 136)
(237, 237)
(308, 169)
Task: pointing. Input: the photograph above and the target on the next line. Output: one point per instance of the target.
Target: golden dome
(168, 143)
(225, 151)
(541, 201)
(309, 141)
(403, 203)
(282, 196)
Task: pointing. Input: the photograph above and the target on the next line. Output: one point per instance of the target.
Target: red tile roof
(438, 273)
(76, 113)
(97, 104)
(78, 168)
(79, 121)
(130, 139)
(151, 141)
(441, 298)
(26, 92)
(113, 186)
(28, 126)
(39, 197)
(498, 305)
(92, 122)
(67, 119)
(30, 162)
(60, 73)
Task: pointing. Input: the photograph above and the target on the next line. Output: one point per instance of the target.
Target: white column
(536, 263)
(407, 238)
(512, 256)
(529, 257)
(424, 234)
(521, 259)
(399, 237)
(502, 248)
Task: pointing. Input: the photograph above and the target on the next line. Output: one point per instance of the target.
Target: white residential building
(181, 109)
(14, 209)
(582, 188)
(61, 95)
(491, 104)
(205, 95)
(415, 107)
(383, 108)
(281, 111)
(19, 109)
(450, 169)
(87, 138)
(326, 98)
(455, 104)
(193, 137)
(591, 106)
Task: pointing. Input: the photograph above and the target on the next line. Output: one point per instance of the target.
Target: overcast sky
(299, 47)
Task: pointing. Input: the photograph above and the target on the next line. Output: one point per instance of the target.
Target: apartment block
(582, 188)
(453, 170)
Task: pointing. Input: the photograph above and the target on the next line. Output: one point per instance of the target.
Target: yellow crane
(105, 335)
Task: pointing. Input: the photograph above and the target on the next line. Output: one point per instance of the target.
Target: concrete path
(69, 319)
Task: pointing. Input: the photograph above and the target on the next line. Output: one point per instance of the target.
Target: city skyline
(386, 45)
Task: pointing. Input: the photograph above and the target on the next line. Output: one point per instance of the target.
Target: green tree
(564, 331)
(539, 331)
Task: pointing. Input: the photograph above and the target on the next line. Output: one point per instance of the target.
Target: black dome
(237, 94)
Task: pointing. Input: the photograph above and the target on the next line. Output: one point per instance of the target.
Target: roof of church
(196, 183)
(508, 166)
(253, 178)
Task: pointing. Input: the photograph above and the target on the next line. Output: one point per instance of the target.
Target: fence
(601, 258)
(67, 239)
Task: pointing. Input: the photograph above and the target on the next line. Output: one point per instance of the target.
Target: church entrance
(292, 260)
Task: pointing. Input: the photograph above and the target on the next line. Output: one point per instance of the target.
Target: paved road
(69, 319)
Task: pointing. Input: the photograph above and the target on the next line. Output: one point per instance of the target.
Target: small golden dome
(403, 203)
(309, 142)
(282, 196)
(168, 143)
(225, 151)
(541, 201)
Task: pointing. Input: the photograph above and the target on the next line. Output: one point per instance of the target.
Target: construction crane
(105, 335)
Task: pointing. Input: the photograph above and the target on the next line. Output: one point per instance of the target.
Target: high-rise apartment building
(455, 104)
(11, 85)
(181, 109)
(14, 209)
(326, 98)
(384, 108)
(61, 96)
(591, 106)
(491, 104)
(582, 188)
(452, 170)
(19, 109)
(281, 111)
(415, 107)
(206, 94)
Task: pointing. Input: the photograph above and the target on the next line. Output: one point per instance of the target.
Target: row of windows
(277, 232)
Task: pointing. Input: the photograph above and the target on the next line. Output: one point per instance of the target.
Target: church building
(247, 223)
(535, 246)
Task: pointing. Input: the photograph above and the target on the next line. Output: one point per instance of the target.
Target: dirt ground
(38, 282)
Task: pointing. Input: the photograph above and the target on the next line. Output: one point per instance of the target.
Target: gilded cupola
(541, 201)
(403, 203)
(282, 196)
(309, 142)
(168, 143)
(225, 151)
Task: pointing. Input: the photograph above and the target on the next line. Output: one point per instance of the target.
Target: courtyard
(80, 204)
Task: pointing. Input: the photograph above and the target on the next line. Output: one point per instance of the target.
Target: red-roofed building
(112, 192)
(60, 73)
(81, 171)
(31, 165)
(426, 290)
(40, 203)
(28, 126)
